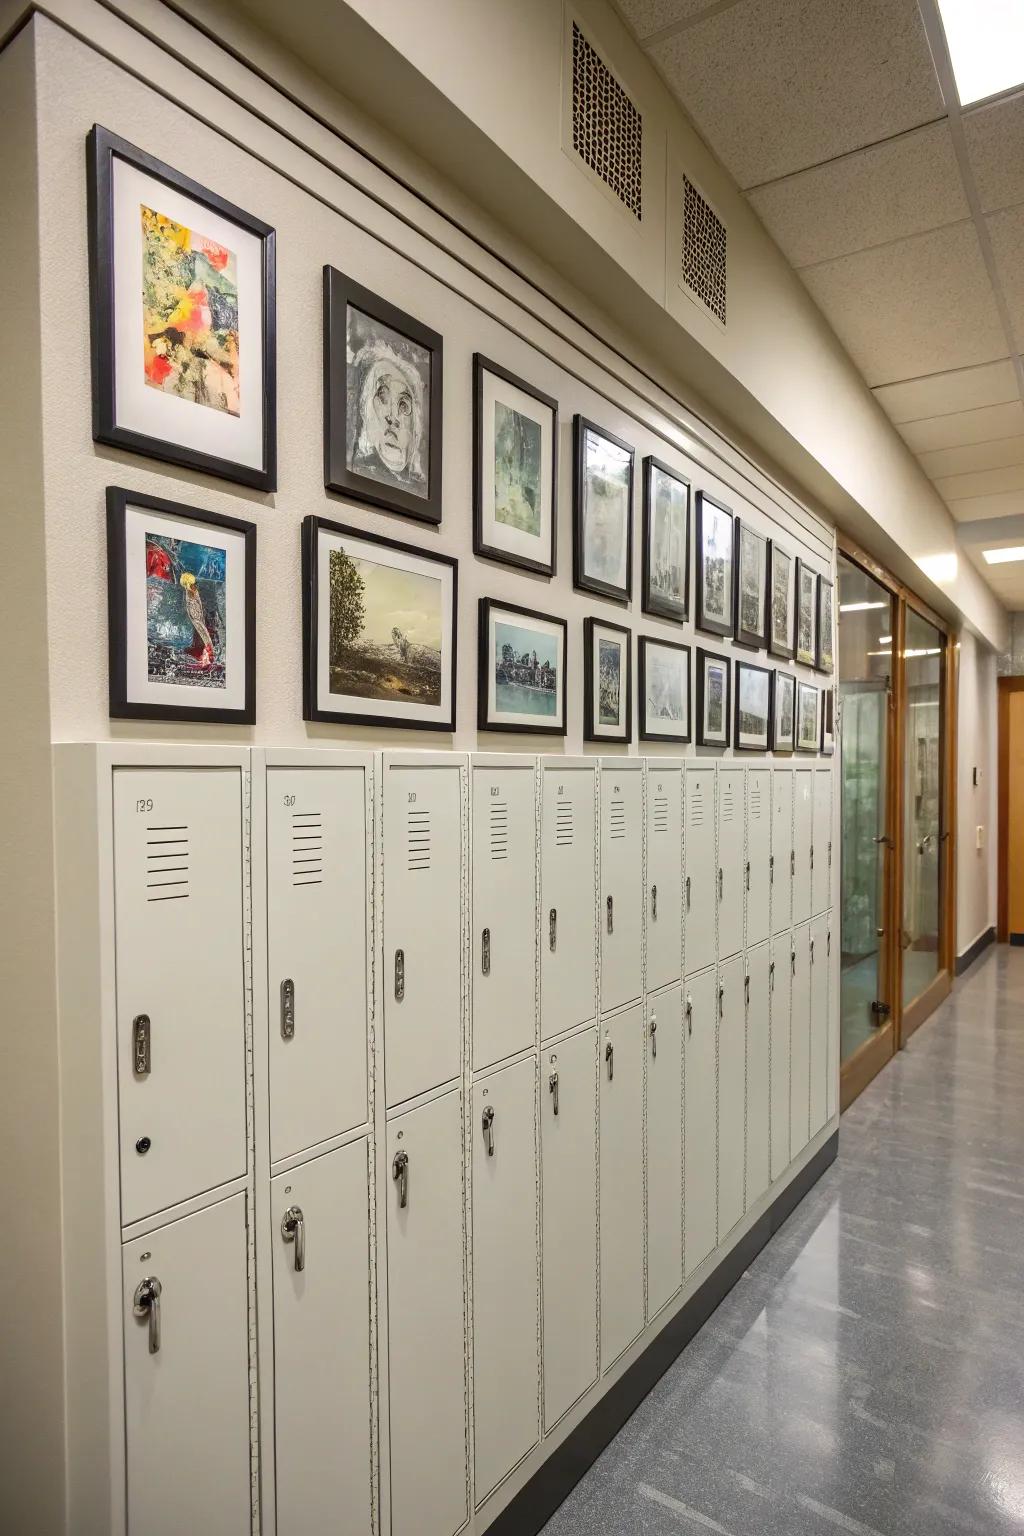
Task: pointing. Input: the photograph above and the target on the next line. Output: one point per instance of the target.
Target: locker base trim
(535, 1503)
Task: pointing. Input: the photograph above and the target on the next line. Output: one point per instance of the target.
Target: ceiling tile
(982, 426)
(983, 482)
(959, 389)
(903, 187)
(995, 148)
(1000, 504)
(779, 85)
(917, 306)
(1007, 233)
(647, 16)
(971, 457)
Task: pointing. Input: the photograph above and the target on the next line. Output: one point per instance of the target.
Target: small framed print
(751, 587)
(825, 660)
(781, 601)
(808, 725)
(666, 551)
(715, 557)
(828, 723)
(515, 470)
(806, 614)
(783, 711)
(378, 630)
(664, 668)
(181, 596)
(602, 512)
(753, 707)
(607, 682)
(383, 373)
(181, 286)
(713, 699)
(521, 671)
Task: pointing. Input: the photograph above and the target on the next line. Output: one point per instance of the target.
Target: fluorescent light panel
(1004, 556)
(859, 607)
(986, 45)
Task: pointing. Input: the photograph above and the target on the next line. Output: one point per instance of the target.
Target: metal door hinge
(771, 977)
(287, 1009)
(792, 861)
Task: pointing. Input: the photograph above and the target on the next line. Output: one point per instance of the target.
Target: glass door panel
(923, 737)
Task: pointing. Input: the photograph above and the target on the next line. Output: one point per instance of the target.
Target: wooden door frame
(1004, 687)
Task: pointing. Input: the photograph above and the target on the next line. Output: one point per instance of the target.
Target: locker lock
(400, 1174)
(143, 1145)
(487, 1120)
(146, 1303)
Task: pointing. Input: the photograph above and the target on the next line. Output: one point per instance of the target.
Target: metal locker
(758, 1072)
(425, 1319)
(422, 923)
(180, 983)
(800, 1043)
(568, 940)
(700, 886)
(818, 1064)
(731, 866)
(321, 1268)
(832, 1096)
(803, 812)
(783, 860)
(780, 991)
(732, 1086)
(186, 1375)
(316, 954)
(664, 1148)
(664, 876)
(759, 849)
(821, 841)
(568, 1089)
(506, 1321)
(504, 909)
(622, 900)
(700, 1117)
(623, 1044)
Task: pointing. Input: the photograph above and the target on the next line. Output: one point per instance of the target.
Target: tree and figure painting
(386, 628)
(189, 314)
(186, 613)
(525, 670)
(517, 470)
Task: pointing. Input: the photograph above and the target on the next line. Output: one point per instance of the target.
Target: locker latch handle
(721, 882)
(609, 904)
(828, 946)
(553, 1090)
(487, 1120)
(689, 1014)
(552, 927)
(792, 861)
(746, 990)
(400, 1174)
(654, 1034)
(399, 975)
(146, 1303)
(485, 951)
(721, 1000)
(812, 951)
(293, 1230)
(812, 855)
(830, 853)
(792, 961)
(771, 977)
(654, 903)
(609, 1056)
(771, 870)
(142, 1055)
(687, 893)
(748, 874)
(288, 1009)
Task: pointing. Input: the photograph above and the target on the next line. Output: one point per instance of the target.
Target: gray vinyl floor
(866, 1374)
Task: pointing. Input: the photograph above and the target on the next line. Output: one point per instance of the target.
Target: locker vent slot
(419, 839)
(307, 848)
(564, 824)
(696, 806)
(661, 813)
(618, 826)
(499, 829)
(167, 863)
(755, 799)
(728, 802)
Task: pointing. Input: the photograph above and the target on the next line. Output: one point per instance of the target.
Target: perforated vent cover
(704, 252)
(607, 129)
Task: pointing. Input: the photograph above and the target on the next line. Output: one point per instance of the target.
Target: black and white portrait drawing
(388, 381)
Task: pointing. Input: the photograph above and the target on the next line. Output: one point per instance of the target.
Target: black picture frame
(580, 580)
(824, 660)
(742, 746)
(120, 706)
(645, 643)
(487, 606)
(828, 728)
(590, 730)
(660, 607)
(102, 147)
(713, 625)
(751, 639)
(807, 657)
(702, 740)
(312, 526)
(481, 366)
(340, 294)
(802, 689)
(777, 553)
(782, 678)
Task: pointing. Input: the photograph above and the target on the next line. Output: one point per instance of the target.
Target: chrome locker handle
(288, 1009)
(746, 990)
(400, 1174)
(399, 975)
(142, 1052)
(609, 904)
(293, 1230)
(654, 903)
(748, 874)
(689, 1014)
(721, 1001)
(687, 893)
(487, 1120)
(771, 977)
(609, 1056)
(146, 1303)
(654, 1034)
(771, 870)
(792, 961)
(552, 928)
(792, 861)
(828, 946)
(553, 1090)
(485, 951)
(812, 951)
(812, 855)
(721, 883)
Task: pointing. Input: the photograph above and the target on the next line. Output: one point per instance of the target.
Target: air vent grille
(704, 251)
(307, 848)
(418, 847)
(607, 129)
(167, 872)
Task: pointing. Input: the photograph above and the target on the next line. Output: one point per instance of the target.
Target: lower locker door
(800, 1044)
(819, 1024)
(622, 1049)
(758, 1074)
(780, 989)
(732, 1084)
(322, 1345)
(506, 1325)
(664, 1149)
(832, 1090)
(568, 1088)
(700, 1123)
(186, 1370)
(426, 1322)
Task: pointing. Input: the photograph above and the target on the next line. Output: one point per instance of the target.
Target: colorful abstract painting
(186, 612)
(189, 314)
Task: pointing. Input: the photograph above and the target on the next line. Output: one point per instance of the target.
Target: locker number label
(289, 799)
(142, 806)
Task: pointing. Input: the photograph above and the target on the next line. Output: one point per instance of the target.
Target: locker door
(803, 808)
(732, 1084)
(568, 938)
(758, 1073)
(759, 847)
(819, 961)
(422, 927)
(781, 993)
(187, 1404)
(568, 1087)
(622, 899)
(504, 911)
(623, 1046)
(426, 1328)
(506, 1324)
(180, 983)
(664, 877)
(821, 840)
(783, 861)
(700, 1117)
(664, 1148)
(800, 1042)
(731, 876)
(322, 1345)
(700, 886)
(832, 1098)
(316, 954)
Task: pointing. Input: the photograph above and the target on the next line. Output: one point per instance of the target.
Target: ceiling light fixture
(859, 607)
(985, 39)
(1003, 556)
(885, 639)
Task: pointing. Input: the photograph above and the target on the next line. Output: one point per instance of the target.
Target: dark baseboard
(535, 1503)
(1017, 938)
(980, 944)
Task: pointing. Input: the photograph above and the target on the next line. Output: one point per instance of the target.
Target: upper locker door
(731, 871)
(701, 883)
(180, 983)
(622, 1048)
(622, 900)
(700, 1123)
(316, 953)
(803, 821)
(821, 841)
(759, 848)
(818, 1069)
(780, 990)
(732, 1085)
(664, 876)
(504, 909)
(782, 861)
(758, 1073)
(664, 1106)
(422, 924)
(568, 940)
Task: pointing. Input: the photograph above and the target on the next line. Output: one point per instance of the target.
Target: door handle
(399, 975)
(771, 977)
(611, 913)
(884, 842)
(552, 927)
(923, 844)
(721, 1000)
(812, 855)
(792, 962)
(553, 1090)
(609, 1056)
(293, 1230)
(687, 893)
(654, 903)
(288, 1009)
(487, 1120)
(142, 1053)
(812, 951)
(792, 862)
(146, 1303)
(400, 1174)
(485, 952)
(689, 1014)
(746, 990)
(748, 875)
(654, 1034)
(771, 870)
(721, 882)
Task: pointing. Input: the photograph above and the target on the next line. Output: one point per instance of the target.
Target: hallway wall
(977, 802)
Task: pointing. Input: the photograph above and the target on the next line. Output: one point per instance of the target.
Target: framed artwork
(808, 725)
(378, 630)
(781, 601)
(664, 690)
(713, 699)
(521, 670)
(515, 469)
(753, 707)
(602, 546)
(828, 722)
(607, 682)
(806, 614)
(382, 402)
(181, 602)
(666, 553)
(181, 286)
(783, 711)
(715, 559)
(749, 601)
(824, 660)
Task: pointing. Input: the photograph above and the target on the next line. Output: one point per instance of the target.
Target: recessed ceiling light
(1004, 556)
(885, 639)
(859, 607)
(986, 45)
